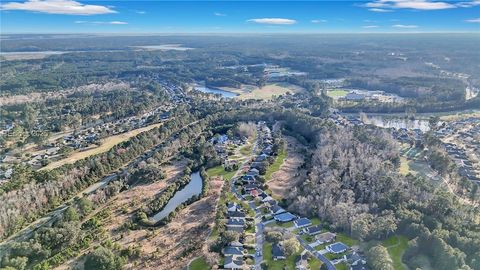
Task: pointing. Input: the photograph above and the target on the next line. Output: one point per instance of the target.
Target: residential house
(275, 209)
(277, 252)
(234, 251)
(313, 230)
(235, 214)
(233, 262)
(265, 197)
(285, 217)
(232, 207)
(302, 222)
(326, 237)
(337, 248)
(301, 263)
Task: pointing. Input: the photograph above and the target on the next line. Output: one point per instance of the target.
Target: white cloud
(219, 14)
(476, 20)
(380, 10)
(140, 12)
(318, 21)
(117, 22)
(405, 26)
(68, 7)
(280, 21)
(370, 26)
(388, 5)
(101, 22)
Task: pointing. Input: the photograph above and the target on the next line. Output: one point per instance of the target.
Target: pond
(391, 122)
(193, 188)
(223, 93)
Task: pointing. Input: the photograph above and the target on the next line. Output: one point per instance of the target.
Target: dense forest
(353, 183)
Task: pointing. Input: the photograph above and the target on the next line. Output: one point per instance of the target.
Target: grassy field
(396, 246)
(341, 237)
(337, 93)
(276, 165)
(105, 145)
(199, 264)
(404, 166)
(314, 263)
(271, 90)
(341, 266)
(220, 171)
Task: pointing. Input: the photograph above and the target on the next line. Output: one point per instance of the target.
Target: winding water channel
(193, 188)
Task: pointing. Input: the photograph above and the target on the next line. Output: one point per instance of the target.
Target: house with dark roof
(265, 197)
(326, 237)
(277, 252)
(302, 222)
(301, 262)
(229, 250)
(235, 222)
(235, 214)
(275, 210)
(337, 248)
(233, 262)
(285, 217)
(232, 207)
(248, 178)
(313, 230)
(249, 187)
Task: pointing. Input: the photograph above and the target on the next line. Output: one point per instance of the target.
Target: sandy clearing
(271, 90)
(105, 145)
(288, 175)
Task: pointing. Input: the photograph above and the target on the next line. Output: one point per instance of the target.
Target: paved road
(317, 254)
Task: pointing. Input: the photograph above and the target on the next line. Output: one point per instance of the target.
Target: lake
(193, 188)
(390, 122)
(223, 93)
(164, 47)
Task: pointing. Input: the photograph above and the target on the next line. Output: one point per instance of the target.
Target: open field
(220, 171)
(270, 91)
(337, 93)
(106, 144)
(199, 264)
(284, 174)
(396, 246)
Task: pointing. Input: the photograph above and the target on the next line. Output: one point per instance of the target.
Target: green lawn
(315, 221)
(314, 264)
(341, 266)
(220, 171)
(337, 93)
(341, 237)
(199, 264)
(276, 164)
(396, 246)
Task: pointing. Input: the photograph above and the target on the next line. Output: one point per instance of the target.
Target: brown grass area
(288, 175)
(271, 90)
(105, 145)
(175, 244)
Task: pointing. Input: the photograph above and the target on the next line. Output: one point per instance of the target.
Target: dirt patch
(105, 145)
(289, 173)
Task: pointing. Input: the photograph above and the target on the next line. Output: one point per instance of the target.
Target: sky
(179, 17)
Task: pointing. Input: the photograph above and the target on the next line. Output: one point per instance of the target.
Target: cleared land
(337, 93)
(396, 246)
(284, 173)
(105, 145)
(270, 91)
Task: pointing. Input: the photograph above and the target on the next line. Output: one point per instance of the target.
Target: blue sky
(69, 16)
